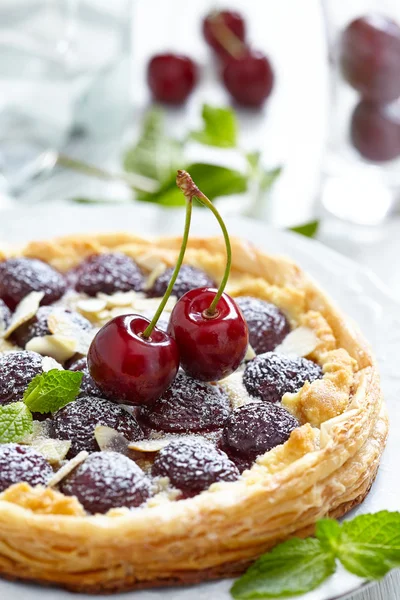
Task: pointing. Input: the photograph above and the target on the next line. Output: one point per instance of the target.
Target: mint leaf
(15, 422)
(155, 155)
(268, 178)
(213, 180)
(369, 545)
(51, 391)
(308, 229)
(294, 567)
(328, 532)
(265, 178)
(219, 127)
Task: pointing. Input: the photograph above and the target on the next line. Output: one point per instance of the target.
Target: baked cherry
(188, 406)
(129, 367)
(22, 463)
(206, 324)
(88, 385)
(375, 130)
(171, 77)
(20, 276)
(269, 376)
(256, 428)
(78, 420)
(107, 480)
(193, 465)
(188, 279)
(5, 315)
(223, 30)
(107, 273)
(17, 369)
(38, 325)
(370, 57)
(249, 78)
(267, 325)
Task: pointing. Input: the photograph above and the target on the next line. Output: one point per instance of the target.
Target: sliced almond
(156, 272)
(49, 363)
(91, 305)
(149, 261)
(118, 299)
(110, 439)
(59, 347)
(68, 468)
(299, 342)
(53, 450)
(250, 354)
(6, 346)
(40, 429)
(62, 325)
(149, 445)
(234, 387)
(25, 310)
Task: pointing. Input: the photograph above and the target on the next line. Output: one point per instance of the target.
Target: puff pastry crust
(326, 467)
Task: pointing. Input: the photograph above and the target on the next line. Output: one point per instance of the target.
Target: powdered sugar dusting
(22, 463)
(267, 324)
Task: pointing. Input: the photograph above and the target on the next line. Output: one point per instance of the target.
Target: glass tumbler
(361, 172)
(64, 71)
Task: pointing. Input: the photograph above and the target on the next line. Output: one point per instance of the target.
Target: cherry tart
(250, 422)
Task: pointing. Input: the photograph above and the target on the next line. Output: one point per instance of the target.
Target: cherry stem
(190, 189)
(225, 36)
(149, 329)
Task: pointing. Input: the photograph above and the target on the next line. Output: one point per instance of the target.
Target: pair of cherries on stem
(134, 362)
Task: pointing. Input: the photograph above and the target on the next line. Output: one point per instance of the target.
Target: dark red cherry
(107, 480)
(78, 420)
(107, 273)
(188, 406)
(188, 279)
(267, 325)
(38, 325)
(269, 376)
(20, 276)
(370, 57)
(171, 77)
(193, 465)
(210, 348)
(375, 130)
(214, 29)
(22, 463)
(249, 78)
(88, 385)
(256, 428)
(17, 369)
(128, 367)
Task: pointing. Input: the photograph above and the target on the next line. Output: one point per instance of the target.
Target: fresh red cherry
(370, 57)
(221, 29)
(211, 346)
(249, 78)
(128, 367)
(171, 77)
(375, 131)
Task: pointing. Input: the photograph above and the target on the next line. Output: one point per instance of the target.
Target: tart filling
(196, 433)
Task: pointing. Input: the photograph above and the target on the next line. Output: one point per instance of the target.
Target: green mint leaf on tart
(48, 392)
(155, 155)
(369, 545)
(15, 422)
(328, 533)
(294, 567)
(219, 127)
(308, 229)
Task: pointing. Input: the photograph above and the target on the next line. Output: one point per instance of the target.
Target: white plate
(356, 291)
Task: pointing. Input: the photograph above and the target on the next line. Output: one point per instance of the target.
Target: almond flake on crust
(68, 468)
(25, 310)
(234, 387)
(117, 299)
(91, 305)
(59, 347)
(110, 439)
(53, 450)
(299, 342)
(62, 326)
(49, 363)
(156, 272)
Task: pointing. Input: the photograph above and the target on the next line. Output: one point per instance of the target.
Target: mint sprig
(220, 127)
(368, 546)
(15, 422)
(48, 392)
